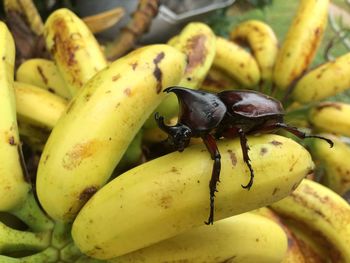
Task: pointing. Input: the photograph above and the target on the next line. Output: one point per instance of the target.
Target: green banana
(322, 211)
(43, 73)
(74, 48)
(246, 238)
(301, 42)
(100, 122)
(168, 195)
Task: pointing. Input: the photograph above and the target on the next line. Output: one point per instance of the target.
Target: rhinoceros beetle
(228, 114)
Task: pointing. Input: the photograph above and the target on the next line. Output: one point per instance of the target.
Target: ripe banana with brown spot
(92, 135)
(197, 42)
(74, 48)
(263, 43)
(331, 117)
(335, 164)
(301, 42)
(236, 62)
(13, 186)
(245, 238)
(44, 74)
(324, 81)
(37, 106)
(168, 195)
(324, 212)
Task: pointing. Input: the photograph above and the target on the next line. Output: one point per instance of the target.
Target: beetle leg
(210, 143)
(301, 134)
(246, 159)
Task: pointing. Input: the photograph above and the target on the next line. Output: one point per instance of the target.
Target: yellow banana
(74, 48)
(263, 43)
(38, 106)
(197, 42)
(13, 185)
(236, 62)
(332, 117)
(335, 164)
(100, 123)
(44, 74)
(246, 238)
(169, 195)
(294, 251)
(324, 81)
(322, 211)
(301, 42)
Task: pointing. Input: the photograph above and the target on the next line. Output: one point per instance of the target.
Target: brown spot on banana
(87, 193)
(233, 157)
(157, 72)
(197, 51)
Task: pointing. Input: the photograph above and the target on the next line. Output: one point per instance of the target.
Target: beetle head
(179, 134)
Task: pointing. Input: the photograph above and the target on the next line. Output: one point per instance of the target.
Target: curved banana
(294, 251)
(263, 43)
(236, 62)
(13, 185)
(197, 42)
(323, 211)
(43, 73)
(100, 123)
(324, 81)
(301, 42)
(74, 48)
(335, 164)
(246, 238)
(168, 195)
(37, 106)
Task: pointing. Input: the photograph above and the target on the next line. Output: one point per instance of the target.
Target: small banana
(332, 117)
(236, 62)
(168, 195)
(246, 238)
(322, 211)
(335, 164)
(197, 42)
(37, 106)
(13, 186)
(263, 43)
(301, 42)
(74, 48)
(43, 73)
(100, 123)
(324, 81)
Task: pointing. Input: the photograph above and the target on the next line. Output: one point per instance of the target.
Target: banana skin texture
(169, 195)
(94, 132)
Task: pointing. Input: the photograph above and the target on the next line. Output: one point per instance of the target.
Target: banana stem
(12, 240)
(31, 214)
(61, 236)
(70, 253)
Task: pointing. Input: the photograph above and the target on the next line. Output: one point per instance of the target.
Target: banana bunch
(87, 121)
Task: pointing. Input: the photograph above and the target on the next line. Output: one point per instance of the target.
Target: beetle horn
(160, 121)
